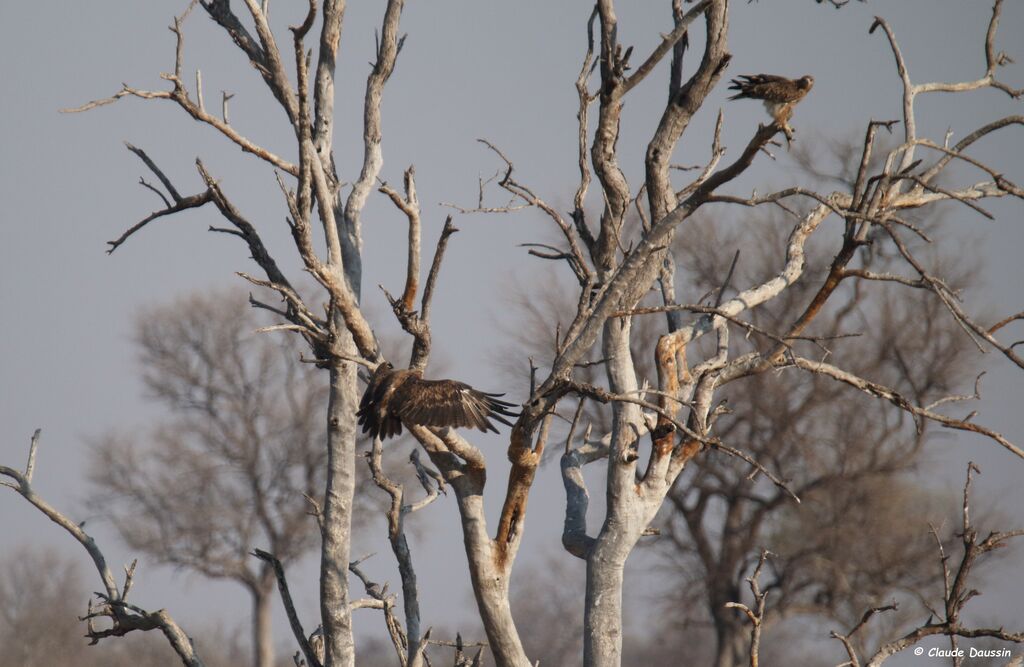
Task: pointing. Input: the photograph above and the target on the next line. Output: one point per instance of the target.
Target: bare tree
(615, 266)
(342, 334)
(34, 586)
(111, 604)
(232, 465)
(623, 268)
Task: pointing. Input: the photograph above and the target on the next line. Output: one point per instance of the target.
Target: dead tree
(944, 618)
(615, 266)
(848, 458)
(339, 335)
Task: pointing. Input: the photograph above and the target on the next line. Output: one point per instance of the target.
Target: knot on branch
(620, 60)
(124, 618)
(662, 431)
(409, 318)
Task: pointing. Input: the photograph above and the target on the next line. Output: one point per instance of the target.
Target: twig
(30, 466)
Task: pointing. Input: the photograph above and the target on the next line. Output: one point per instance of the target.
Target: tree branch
(289, 607)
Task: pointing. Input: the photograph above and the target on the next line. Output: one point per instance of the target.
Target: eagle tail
(366, 420)
(392, 427)
(743, 84)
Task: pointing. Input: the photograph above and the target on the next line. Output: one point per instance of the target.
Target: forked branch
(756, 614)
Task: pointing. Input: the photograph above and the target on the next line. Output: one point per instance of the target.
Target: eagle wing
(449, 403)
(768, 87)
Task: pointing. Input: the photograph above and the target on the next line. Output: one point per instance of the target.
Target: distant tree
(231, 461)
(40, 599)
(547, 604)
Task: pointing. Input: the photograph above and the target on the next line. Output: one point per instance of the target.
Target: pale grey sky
(503, 71)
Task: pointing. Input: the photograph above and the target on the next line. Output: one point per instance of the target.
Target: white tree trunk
(602, 642)
(602, 619)
(490, 585)
(337, 516)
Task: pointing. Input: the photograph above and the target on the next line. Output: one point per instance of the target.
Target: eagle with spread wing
(395, 396)
(778, 93)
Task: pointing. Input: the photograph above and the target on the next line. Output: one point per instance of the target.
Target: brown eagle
(779, 94)
(395, 396)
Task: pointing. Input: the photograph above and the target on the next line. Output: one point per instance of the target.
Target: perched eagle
(779, 94)
(396, 396)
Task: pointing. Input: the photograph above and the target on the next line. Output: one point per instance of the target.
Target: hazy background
(503, 71)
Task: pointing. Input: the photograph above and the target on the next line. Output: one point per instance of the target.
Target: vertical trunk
(732, 634)
(262, 635)
(337, 514)
(489, 563)
(732, 630)
(625, 519)
(731, 644)
(490, 585)
(602, 618)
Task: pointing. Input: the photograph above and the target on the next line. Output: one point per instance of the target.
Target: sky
(503, 71)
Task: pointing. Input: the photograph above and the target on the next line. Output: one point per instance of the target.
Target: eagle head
(805, 82)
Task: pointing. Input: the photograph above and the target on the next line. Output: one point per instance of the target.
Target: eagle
(395, 396)
(779, 94)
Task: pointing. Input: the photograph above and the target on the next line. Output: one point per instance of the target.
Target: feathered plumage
(395, 396)
(778, 93)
